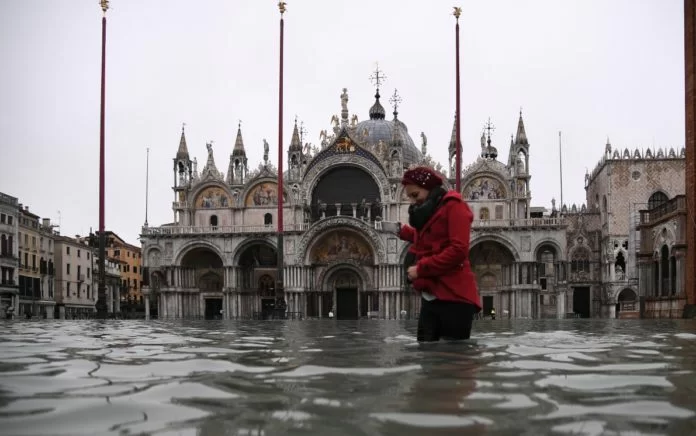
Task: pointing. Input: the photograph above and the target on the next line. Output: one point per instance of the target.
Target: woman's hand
(412, 272)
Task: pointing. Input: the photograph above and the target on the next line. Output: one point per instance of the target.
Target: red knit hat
(424, 177)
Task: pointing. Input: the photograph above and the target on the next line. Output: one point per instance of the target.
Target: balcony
(195, 230)
(677, 204)
(519, 223)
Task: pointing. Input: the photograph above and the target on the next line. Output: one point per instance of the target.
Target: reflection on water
(571, 377)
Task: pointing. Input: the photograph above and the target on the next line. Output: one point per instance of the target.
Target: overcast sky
(590, 68)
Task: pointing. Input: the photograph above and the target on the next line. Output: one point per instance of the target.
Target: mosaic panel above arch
(484, 188)
(264, 194)
(341, 244)
(341, 223)
(212, 197)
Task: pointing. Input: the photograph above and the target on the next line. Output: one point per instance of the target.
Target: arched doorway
(346, 284)
(257, 279)
(346, 186)
(490, 261)
(202, 270)
(627, 301)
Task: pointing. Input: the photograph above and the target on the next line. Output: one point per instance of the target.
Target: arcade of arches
(518, 289)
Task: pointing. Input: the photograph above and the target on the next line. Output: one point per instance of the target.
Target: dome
(377, 128)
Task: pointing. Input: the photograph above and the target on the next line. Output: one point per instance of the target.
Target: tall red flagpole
(458, 178)
(280, 261)
(101, 306)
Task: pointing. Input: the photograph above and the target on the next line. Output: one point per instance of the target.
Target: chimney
(26, 208)
(46, 222)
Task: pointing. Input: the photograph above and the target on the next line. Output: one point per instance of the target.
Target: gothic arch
(198, 244)
(627, 294)
(311, 178)
(348, 223)
(253, 183)
(249, 242)
(324, 279)
(577, 248)
(495, 238)
(657, 198)
(558, 255)
(664, 236)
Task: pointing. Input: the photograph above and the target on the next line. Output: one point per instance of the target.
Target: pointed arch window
(657, 199)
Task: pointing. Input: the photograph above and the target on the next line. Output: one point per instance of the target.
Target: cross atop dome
(378, 77)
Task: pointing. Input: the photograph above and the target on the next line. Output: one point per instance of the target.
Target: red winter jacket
(441, 248)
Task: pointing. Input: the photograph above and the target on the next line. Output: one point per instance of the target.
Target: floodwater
(566, 377)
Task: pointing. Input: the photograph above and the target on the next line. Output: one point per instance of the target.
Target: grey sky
(590, 68)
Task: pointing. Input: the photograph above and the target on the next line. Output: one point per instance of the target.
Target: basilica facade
(218, 257)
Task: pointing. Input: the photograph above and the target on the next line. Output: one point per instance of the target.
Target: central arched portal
(202, 269)
(346, 284)
(257, 279)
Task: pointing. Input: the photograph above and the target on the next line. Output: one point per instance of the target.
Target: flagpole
(458, 177)
(560, 166)
(101, 306)
(280, 261)
(147, 181)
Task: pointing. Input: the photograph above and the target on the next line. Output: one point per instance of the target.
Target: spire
(182, 153)
(521, 137)
(377, 111)
(239, 143)
(453, 138)
(295, 143)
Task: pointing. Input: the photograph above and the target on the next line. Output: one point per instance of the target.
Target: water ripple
(574, 377)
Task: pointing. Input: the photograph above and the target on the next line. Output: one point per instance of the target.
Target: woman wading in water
(437, 263)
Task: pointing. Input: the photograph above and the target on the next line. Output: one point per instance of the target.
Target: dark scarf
(419, 215)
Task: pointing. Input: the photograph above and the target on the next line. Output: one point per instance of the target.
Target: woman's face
(416, 194)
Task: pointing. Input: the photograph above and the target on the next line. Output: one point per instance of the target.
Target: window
(87, 272)
(67, 270)
(657, 199)
(268, 219)
(78, 253)
(484, 214)
(499, 212)
(9, 219)
(33, 241)
(79, 268)
(581, 261)
(2, 218)
(67, 250)
(214, 221)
